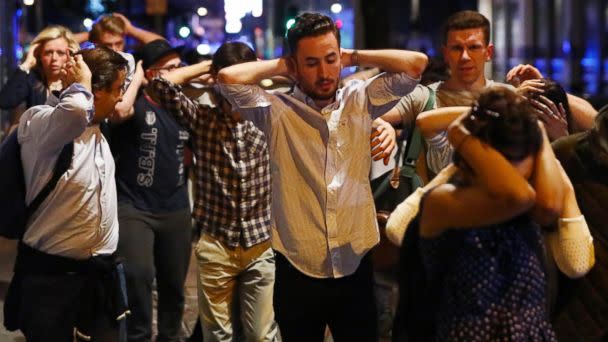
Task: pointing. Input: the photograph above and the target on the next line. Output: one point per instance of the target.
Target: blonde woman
(39, 74)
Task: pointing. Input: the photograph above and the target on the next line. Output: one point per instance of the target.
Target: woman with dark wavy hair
(472, 258)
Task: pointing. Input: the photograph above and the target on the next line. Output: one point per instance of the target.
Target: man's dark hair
(504, 120)
(105, 65)
(231, 53)
(106, 23)
(310, 25)
(467, 20)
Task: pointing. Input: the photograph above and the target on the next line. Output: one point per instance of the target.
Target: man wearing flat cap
(153, 207)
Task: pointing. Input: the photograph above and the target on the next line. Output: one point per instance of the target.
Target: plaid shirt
(233, 188)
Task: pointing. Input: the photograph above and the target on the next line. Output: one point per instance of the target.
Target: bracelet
(571, 219)
(354, 58)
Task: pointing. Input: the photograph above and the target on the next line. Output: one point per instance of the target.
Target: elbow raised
(421, 123)
(419, 62)
(227, 77)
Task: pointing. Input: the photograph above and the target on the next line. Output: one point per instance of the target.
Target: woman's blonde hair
(50, 33)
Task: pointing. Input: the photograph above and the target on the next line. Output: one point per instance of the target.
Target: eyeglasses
(170, 67)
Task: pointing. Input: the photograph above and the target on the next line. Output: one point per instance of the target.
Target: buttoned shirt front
(79, 217)
(324, 219)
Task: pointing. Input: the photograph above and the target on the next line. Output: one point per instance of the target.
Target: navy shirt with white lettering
(149, 153)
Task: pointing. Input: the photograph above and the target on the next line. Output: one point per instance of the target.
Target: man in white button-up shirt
(66, 273)
(323, 214)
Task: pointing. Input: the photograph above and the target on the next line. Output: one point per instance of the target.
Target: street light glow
(184, 32)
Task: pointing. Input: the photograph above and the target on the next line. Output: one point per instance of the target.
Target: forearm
(185, 74)
(362, 75)
(81, 37)
(173, 100)
(69, 118)
(124, 109)
(253, 72)
(583, 114)
(435, 121)
(409, 62)
(142, 35)
(571, 208)
(486, 164)
(393, 116)
(548, 185)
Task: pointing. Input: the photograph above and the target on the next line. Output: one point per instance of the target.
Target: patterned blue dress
(487, 284)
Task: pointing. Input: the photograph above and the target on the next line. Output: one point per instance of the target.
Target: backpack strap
(413, 146)
(61, 166)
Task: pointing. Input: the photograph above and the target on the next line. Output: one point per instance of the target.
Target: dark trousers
(49, 310)
(154, 245)
(304, 305)
(50, 296)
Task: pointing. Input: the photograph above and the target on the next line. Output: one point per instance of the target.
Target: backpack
(14, 213)
(393, 187)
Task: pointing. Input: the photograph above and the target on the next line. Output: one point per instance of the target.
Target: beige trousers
(222, 271)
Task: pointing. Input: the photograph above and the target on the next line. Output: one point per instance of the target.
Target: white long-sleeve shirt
(324, 220)
(78, 219)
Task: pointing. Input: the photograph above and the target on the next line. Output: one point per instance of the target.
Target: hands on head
(126, 21)
(75, 70)
(30, 60)
(527, 79)
(553, 116)
(521, 73)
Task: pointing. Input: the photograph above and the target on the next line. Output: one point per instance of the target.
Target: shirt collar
(300, 95)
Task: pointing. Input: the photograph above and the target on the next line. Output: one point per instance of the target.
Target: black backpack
(392, 188)
(14, 213)
(395, 186)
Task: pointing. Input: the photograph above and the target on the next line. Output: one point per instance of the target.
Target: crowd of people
(500, 244)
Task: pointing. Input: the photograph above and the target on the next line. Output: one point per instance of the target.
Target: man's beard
(316, 95)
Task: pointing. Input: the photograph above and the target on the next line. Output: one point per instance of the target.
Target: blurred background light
(203, 49)
(184, 32)
(88, 23)
(202, 11)
(336, 8)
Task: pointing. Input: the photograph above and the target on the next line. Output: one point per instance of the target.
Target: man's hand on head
(553, 116)
(126, 21)
(349, 57)
(521, 73)
(531, 87)
(290, 67)
(75, 70)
